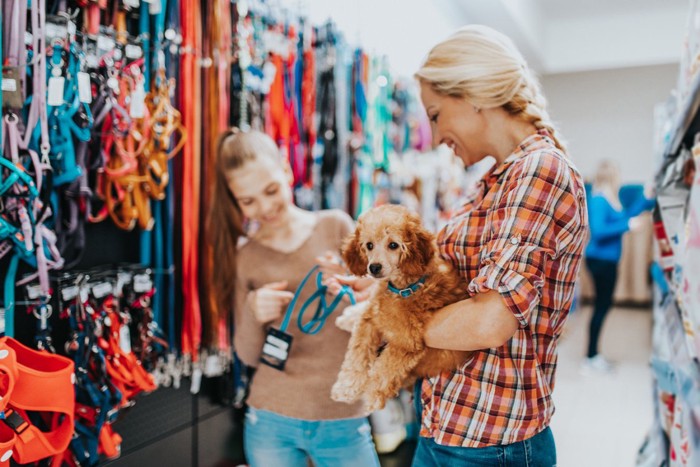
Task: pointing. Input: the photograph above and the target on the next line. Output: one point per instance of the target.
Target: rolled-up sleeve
(533, 219)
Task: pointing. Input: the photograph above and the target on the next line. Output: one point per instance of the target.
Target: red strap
(190, 90)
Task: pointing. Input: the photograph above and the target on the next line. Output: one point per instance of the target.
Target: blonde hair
(484, 67)
(607, 177)
(225, 224)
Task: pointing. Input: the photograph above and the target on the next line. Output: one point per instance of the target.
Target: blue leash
(323, 309)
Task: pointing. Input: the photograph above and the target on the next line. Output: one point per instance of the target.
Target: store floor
(601, 420)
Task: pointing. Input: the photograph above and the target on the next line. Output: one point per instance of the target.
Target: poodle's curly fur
(391, 244)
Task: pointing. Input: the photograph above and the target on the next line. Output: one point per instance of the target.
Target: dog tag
(56, 85)
(275, 352)
(84, 88)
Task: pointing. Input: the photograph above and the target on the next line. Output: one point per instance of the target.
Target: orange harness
(36, 382)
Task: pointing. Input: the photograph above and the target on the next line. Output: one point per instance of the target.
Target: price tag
(105, 43)
(101, 290)
(133, 51)
(142, 283)
(196, 380)
(83, 294)
(155, 7)
(137, 109)
(11, 92)
(9, 85)
(69, 293)
(28, 38)
(33, 291)
(56, 85)
(132, 3)
(55, 31)
(125, 338)
(84, 88)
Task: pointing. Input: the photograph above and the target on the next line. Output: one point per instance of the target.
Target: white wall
(609, 114)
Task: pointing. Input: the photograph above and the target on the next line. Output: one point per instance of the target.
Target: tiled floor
(601, 420)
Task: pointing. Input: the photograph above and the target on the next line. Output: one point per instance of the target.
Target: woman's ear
(288, 173)
(353, 255)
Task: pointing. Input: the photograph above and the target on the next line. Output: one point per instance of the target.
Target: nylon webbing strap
(190, 92)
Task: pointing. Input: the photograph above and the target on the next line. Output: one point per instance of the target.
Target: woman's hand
(330, 264)
(269, 301)
(362, 287)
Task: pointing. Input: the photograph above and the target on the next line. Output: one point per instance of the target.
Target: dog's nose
(374, 268)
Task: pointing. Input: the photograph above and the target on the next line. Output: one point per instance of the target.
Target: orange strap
(190, 98)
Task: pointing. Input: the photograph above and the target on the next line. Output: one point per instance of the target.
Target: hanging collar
(409, 290)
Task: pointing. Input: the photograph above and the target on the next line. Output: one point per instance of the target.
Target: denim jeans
(279, 441)
(538, 451)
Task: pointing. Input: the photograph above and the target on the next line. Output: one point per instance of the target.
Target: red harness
(33, 381)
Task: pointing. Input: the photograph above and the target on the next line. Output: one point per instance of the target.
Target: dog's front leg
(361, 353)
(388, 374)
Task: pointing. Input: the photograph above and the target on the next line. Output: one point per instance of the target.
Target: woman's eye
(272, 191)
(246, 202)
(370, 245)
(393, 245)
(434, 118)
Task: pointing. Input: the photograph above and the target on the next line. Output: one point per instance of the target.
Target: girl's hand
(270, 301)
(361, 286)
(330, 264)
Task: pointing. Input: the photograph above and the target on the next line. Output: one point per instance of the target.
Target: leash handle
(323, 310)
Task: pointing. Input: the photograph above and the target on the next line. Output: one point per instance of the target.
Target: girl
(291, 416)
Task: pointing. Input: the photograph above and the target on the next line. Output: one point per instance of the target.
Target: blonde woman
(517, 241)
(609, 223)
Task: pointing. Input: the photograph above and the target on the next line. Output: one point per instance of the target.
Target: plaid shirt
(521, 232)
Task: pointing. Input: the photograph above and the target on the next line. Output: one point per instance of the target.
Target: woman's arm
(481, 322)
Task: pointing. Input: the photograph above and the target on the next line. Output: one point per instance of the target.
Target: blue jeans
(538, 451)
(276, 440)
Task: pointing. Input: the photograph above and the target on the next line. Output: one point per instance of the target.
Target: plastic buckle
(15, 421)
(406, 292)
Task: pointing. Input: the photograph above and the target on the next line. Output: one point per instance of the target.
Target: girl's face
(262, 189)
(457, 124)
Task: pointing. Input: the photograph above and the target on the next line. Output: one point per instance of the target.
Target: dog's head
(389, 242)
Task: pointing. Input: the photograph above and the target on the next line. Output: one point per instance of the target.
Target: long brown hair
(234, 149)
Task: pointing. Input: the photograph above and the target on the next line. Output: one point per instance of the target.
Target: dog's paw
(341, 392)
(351, 316)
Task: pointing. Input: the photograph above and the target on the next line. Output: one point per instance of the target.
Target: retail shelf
(685, 117)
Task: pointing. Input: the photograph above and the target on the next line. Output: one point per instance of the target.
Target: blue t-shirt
(608, 224)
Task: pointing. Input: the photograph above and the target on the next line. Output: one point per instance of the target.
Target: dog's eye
(370, 245)
(393, 245)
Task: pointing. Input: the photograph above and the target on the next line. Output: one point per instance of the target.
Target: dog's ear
(354, 255)
(420, 248)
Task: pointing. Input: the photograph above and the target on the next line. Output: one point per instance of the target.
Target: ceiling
(556, 36)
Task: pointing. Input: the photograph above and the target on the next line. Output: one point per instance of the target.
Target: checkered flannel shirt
(521, 233)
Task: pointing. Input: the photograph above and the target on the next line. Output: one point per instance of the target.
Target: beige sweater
(303, 389)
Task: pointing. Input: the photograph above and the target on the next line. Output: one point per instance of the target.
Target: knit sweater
(303, 389)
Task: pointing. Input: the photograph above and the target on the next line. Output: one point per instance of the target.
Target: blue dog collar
(408, 291)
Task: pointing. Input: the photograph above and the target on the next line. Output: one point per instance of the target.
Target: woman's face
(456, 123)
(262, 189)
